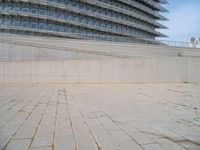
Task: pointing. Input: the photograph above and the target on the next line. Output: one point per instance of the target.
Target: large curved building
(94, 19)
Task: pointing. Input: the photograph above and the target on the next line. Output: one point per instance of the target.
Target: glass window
(16, 7)
(60, 28)
(60, 1)
(7, 6)
(67, 28)
(25, 8)
(43, 25)
(67, 16)
(34, 23)
(51, 26)
(16, 22)
(59, 14)
(34, 9)
(1, 20)
(25, 23)
(51, 12)
(42, 11)
(1, 5)
(7, 21)
(68, 2)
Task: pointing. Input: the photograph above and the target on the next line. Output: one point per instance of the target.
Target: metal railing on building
(119, 39)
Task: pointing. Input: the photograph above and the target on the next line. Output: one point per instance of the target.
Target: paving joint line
(35, 94)
(36, 129)
(90, 131)
(70, 119)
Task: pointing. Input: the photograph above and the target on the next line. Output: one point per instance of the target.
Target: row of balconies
(80, 18)
(78, 35)
(129, 2)
(143, 8)
(154, 4)
(101, 3)
(119, 30)
(97, 3)
(99, 16)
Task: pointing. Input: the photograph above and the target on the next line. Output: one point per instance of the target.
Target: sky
(184, 20)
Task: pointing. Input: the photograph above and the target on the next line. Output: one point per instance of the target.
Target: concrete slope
(53, 60)
(125, 50)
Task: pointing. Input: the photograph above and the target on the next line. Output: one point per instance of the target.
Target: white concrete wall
(50, 60)
(137, 70)
(16, 52)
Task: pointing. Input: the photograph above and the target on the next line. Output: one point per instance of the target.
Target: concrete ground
(100, 117)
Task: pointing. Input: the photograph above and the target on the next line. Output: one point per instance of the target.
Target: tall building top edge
(162, 1)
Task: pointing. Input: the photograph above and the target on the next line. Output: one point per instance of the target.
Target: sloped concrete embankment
(32, 62)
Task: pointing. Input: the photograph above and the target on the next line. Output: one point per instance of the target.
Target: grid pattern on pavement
(100, 117)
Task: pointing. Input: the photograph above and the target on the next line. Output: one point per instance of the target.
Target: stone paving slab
(100, 117)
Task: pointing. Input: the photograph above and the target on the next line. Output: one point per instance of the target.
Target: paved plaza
(100, 117)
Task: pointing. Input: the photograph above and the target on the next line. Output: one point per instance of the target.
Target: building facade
(94, 19)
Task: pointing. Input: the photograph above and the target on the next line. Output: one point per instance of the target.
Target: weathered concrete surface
(134, 70)
(16, 48)
(107, 117)
(25, 59)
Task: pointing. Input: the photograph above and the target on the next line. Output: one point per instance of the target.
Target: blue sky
(184, 20)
